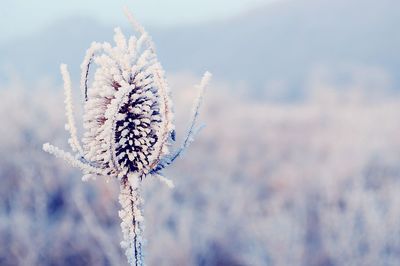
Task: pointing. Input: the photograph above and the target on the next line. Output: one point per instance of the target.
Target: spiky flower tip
(128, 124)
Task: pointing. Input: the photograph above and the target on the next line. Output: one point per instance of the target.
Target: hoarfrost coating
(128, 124)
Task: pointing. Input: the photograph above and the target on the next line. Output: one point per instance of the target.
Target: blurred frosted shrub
(312, 183)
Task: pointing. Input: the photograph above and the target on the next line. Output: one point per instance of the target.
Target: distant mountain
(279, 43)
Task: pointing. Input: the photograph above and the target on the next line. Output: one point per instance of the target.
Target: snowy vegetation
(299, 163)
(313, 183)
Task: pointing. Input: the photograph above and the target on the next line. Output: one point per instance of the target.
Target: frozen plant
(128, 124)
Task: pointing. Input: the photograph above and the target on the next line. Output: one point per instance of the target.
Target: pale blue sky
(19, 17)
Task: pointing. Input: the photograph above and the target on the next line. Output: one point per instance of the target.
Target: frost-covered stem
(195, 113)
(70, 126)
(192, 129)
(75, 162)
(85, 66)
(132, 221)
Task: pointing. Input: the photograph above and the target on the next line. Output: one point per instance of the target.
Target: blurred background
(299, 163)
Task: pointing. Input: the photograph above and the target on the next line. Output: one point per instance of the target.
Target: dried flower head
(128, 123)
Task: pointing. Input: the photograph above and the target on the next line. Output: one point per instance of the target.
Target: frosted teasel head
(128, 111)
(128, 115)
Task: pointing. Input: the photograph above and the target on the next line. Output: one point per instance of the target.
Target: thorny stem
(134, 224)
(86, 78)
(134, 205)
(192, 130)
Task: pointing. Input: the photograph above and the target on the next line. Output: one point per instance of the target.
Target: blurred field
(309, 183)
